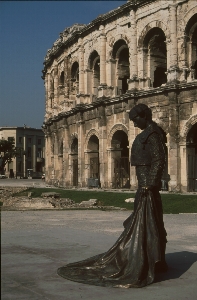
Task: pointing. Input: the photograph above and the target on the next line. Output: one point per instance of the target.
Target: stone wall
(141, 52)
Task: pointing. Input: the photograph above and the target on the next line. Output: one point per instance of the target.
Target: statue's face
(140, 122)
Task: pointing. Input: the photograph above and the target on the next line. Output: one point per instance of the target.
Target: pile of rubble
(49, 200)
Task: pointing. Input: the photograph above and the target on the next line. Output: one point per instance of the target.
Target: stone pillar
(173, 71)
(81, 70)
(182, 57)
(66, 87)
(55, 90)
(133, 81)
(88, 85)
(172, 143)
(66, 151)
(102, 56)
(47, 98)
(47, 157)
(141, 57)
(103, 161)
(102, 89)
(81, 154)
(183, 170)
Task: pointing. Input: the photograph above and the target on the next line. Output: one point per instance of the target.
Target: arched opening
(61, 80)
(93, 157)
(74, 153)
(155, 57)
(61, 148)
(120, 159)
(74, 85)
(191, 33)
(94, 74)
(191, 143)
(120, 54)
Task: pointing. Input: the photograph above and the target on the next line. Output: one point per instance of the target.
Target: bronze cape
(140, 250)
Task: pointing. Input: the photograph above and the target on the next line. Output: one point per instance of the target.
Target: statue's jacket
(148, 155)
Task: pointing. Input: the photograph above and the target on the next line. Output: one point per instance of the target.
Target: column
(183, 170)
(133, 81)
(173, 34)
(66, 88)
(182, 57)
(172, 143)
(81, 154)
(55, 89)
(81, 68)
(102, 56)
(103, 86)
(173, 71)
(66, 170)
(103, 161)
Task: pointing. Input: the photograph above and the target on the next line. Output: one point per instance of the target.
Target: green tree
(7, 152)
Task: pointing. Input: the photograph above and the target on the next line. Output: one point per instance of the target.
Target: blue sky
(27, 30)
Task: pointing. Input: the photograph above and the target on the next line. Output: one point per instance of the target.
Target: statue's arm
(157, 152)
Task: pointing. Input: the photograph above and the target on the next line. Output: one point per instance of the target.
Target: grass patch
(104, 198)
(172, 203)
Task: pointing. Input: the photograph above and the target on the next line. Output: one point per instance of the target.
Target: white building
(30, 142)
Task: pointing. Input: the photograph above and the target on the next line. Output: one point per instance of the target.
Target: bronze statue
(139, 252)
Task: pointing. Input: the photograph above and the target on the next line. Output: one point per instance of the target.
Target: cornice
(103, 101)
(81, 30)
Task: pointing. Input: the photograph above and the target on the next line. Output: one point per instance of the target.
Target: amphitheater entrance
(74, 155)
(120, 160)
(192, 158)
(93, 155)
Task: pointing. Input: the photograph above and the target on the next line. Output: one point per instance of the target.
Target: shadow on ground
(178, 263)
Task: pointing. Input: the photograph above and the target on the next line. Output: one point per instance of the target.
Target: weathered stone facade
(145, 51)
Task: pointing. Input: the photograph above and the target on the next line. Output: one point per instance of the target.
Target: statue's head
(141, 115)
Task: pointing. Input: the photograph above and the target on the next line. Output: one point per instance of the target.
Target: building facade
(30, 144)
(145, 51)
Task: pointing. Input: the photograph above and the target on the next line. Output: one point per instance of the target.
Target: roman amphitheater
(145, 51)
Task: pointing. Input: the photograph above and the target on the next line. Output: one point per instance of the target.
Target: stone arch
(88, 136)
(72, 137)
(186, 128)
(189, 14)
(153, 48)
(191, 45)
(113, 130)
(148, 27)
(114, 39)
(74, 59)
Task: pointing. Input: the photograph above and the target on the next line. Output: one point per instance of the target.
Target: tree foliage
(7, 152)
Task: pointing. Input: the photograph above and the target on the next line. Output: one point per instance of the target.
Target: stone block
(91, 202)
(50, 195)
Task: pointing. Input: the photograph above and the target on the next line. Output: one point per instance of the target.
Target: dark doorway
(75, 172)
(192, 159)
(120, 144)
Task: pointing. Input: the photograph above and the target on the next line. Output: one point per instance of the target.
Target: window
(39, 152)
(29, 140)
(20, 139)
(29, 152)
(29, 165)
(39, 141)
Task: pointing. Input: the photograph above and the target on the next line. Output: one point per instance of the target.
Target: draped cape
(130, 262)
